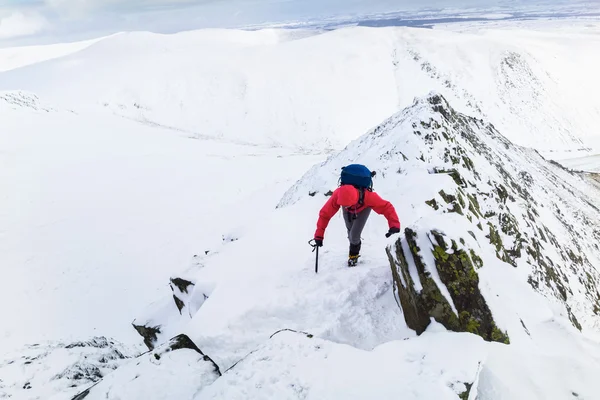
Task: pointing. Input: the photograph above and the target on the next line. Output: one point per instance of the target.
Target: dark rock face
(180, 288)
(184, 342)
(413, 304)
(457, 272)
(510, 196)
(149, 333)
(181, 284)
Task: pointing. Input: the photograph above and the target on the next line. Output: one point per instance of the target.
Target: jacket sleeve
(381, 206)
(327, 212)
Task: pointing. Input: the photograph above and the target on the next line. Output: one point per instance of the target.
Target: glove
(392, 231)
(318, 242)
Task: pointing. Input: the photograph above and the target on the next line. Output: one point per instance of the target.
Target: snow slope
(354, 330)
(589, 164)
(300, 89)
(17, 57)
(96, 204)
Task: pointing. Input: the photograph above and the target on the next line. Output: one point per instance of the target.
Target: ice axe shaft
(313, 244)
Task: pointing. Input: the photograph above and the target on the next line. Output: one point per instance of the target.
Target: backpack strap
(361, 196)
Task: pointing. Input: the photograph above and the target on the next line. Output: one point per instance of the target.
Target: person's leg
(356, 229)
(348, 220)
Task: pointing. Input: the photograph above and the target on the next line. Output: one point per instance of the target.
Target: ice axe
(313, 244)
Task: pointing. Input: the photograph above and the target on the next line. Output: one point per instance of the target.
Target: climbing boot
(353, 260)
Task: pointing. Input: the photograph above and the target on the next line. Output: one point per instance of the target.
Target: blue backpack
(358, 176)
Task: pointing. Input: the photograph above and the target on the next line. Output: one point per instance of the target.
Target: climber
(357, 198)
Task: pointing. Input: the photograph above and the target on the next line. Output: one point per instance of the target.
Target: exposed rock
(181, 291)
(465, 395)
(530, 213)
(56, 367)
(166, 317)
(154, 374)
(457, 272)
(149, 333)
(181, 284)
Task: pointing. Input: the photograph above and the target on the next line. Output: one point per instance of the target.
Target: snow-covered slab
(294, 366)
(436, 365)
(176, 370)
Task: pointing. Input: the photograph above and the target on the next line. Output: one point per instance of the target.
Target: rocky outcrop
(168, 315)
(189, 369)
(149, 333)
(476, 203)
(469, 311)
(504, 203)
(181, 288)
(56, 367)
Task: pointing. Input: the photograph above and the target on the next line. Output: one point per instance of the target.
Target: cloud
(17, 24)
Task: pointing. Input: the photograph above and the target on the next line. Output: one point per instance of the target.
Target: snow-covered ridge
(17, 57)
(489, 249)
(468, 184)
(252, 87)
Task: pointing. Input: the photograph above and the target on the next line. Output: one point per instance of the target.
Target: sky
(38, 20)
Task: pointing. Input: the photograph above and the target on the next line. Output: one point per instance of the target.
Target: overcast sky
(31, 19)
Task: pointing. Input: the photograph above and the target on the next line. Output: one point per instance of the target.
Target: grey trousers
(355, 224)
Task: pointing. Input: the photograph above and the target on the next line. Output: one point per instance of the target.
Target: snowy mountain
(165, 195)
(489, 248)
(318, 91)
(506, 197)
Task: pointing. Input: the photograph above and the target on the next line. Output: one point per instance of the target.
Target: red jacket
(347, 196)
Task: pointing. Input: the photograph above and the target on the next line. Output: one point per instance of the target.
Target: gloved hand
(392, 231)
(319, 242)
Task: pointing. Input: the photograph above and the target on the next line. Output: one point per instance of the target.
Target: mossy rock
(457, 272)
(465, 395)
(452, 201)
(454, 174)
(433, 204)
